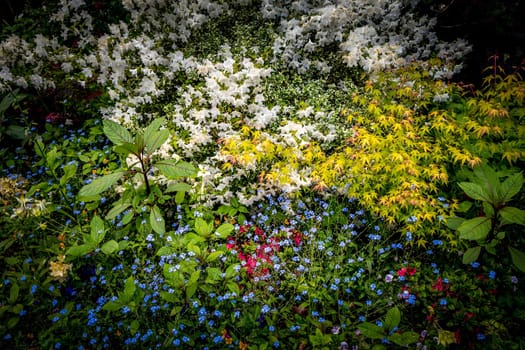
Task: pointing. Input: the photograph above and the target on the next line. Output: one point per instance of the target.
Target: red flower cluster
(406, 271)
(255, 250)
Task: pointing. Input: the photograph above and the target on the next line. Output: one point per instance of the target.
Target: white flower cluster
(139, 61)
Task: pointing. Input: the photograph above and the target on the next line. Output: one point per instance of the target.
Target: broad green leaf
(97, 229)
(475, 229)
(409, 337)
(79, 250)
(109, 247)
(129, 288)
(233, 287)
(202, 227)
(116, 133)
(513, 215)
(475, 191)
(154, 138)
(214, 256)
(178, 187)
(213, 275)
(111, 306)
(393, 317)
(488, 209)
(126, 148)
(518, 258)
(455, 222)
(156, 220)
(224, 230)
(12, 322)
(489, 179)
(195, 276)
(16, 132)
(134, 327)
(179, 197)
(511, 186)
(100, 184)
(128, 217)
(170, 297)
(191, 289)
(471, 255)
(117, 209)
(371, 330)
(176, 169)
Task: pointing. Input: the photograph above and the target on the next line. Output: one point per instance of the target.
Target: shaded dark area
(495, 28)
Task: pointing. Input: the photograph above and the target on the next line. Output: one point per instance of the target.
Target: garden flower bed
(255, 175)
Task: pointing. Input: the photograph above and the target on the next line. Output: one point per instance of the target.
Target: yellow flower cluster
(59, 270)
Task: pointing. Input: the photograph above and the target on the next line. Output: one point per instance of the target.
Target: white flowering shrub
(236, 105)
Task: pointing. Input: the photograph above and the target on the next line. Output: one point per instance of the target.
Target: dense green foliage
(174, 185)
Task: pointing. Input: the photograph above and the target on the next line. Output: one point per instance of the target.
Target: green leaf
(111, 306)
(13, 293)
(110, 247)
(129, 288)
(194, 278)
(518, 258)
(475, 191)
(371, 330)
(178, 187)
(156, 220)
(79, 250)
(471, 255)
(213, 275)
(12, 322)
(126, 148)
(16, 132)
(489, 179)
(173, 169)
(393, 317)
(97, 229)
(214, 256)
(153, 137)
(191, 289)
(455, 222)
(409, 337)
(179, 197)
(69, 171)
(203, 228)
(224, 230)
(100, 184)
(513, 215)
(116, 133)
(511, 186)
(488, 209)
(475, 229)
(116, 210)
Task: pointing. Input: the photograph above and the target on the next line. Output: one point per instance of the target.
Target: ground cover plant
(255, 175)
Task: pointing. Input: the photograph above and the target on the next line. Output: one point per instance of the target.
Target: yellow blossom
(58, 269)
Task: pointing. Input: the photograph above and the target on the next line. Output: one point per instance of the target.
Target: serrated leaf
(475, 229)
(116, 133)
(371, 330)
(157, 220)
(513, 215)
(475, 191)
(518, 258)
(110, 247)
(100, 184)
(393, 317)
(511, 186)
(173, 169)
(471, 255)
